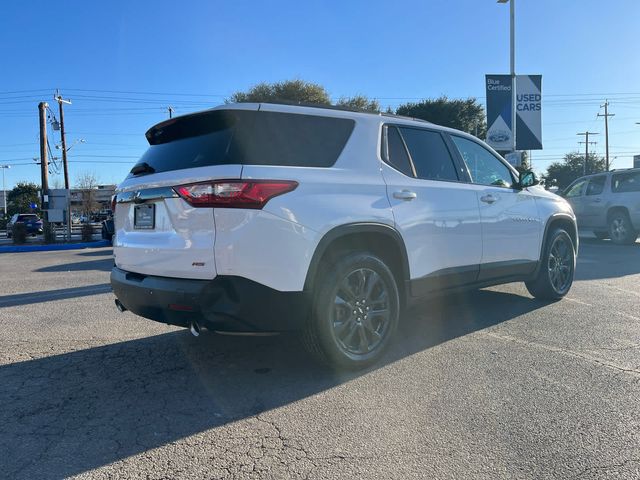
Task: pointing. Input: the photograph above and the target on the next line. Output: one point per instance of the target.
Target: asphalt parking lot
(491, 384)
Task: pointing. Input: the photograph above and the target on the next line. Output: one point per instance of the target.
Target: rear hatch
(156, 231)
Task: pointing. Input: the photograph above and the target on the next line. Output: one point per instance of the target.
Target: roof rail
(622, 169)
(404, 117)
(315, 105)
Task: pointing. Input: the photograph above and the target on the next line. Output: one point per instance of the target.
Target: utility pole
(586, 149)
(58, 98)
(170, 112)
(44, 162)
(606, 130)
(63, 141)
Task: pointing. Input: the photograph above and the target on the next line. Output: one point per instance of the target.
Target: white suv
(256, 218)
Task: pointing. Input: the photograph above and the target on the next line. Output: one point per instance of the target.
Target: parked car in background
(608, 204)
(32, 222)
(107, 229)
(264, 218)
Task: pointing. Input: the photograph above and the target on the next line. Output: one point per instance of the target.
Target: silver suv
(608, 204)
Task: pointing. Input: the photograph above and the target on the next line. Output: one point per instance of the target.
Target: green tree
(20, 198)
(462, 114)
(561, 174)
(289, 91)
(359, 102)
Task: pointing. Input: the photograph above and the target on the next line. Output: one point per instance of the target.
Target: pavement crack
(564, 351)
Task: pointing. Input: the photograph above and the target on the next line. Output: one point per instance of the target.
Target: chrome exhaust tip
(120, 306)
(194, 328)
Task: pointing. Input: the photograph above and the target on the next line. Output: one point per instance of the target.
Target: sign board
(58, 198)
(636, 161)
(56, 215)
(514, 158)
(528, 112)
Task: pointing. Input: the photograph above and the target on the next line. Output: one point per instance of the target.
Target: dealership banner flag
(528, 116)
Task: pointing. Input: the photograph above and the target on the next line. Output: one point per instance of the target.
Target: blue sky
(122, 63)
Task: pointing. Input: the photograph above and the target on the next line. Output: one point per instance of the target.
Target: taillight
(113, 204)
(234, 193)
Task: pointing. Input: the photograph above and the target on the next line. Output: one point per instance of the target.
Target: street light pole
(4, 191)
(512, 58)
(512, 42)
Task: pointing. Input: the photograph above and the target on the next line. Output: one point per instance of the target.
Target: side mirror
(528, 179)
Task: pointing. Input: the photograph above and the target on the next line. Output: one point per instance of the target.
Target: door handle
(404, 195)
(488, 199)
(597, 200)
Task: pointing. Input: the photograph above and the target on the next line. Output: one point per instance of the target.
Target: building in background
(636, 161)
(92, 200)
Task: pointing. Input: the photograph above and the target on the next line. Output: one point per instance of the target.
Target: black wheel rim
(560, 265)
(361, 312)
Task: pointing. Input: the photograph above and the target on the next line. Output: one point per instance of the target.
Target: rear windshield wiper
(143, 167)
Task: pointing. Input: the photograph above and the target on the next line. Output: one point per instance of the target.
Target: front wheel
(557, 268)
(355, 312)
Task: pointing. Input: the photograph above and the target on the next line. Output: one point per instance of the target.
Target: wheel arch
(562, 220)
(616, 208)
(378, 238)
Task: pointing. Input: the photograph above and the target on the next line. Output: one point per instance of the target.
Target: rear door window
(596, 185)
(429, 154)
(243, 137)
(625, 182)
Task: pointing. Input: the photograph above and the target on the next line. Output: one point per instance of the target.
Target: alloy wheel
(560, 265)
(361, 312)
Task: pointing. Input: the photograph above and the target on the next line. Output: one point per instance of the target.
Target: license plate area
(144, 216)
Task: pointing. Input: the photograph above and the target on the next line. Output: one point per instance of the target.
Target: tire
(621, 230)
(557, 267)
(601, 235)
(343, 332)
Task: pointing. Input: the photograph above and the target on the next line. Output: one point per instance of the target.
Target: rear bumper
(226, 303)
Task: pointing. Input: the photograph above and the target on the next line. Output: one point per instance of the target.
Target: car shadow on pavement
(105, 265)
(103, 252)
(70, 413)
(52, 295)
(599, 259)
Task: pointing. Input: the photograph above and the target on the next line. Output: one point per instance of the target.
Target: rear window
(244, 137)
(626, 182)
(30, 218)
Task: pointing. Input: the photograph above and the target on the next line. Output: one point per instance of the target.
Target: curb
(54, 246)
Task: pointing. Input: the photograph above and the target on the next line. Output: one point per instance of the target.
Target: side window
(430, 155)
(397, 153)
(596, 185)
(484, 168)
(626, 182)
(575, 190)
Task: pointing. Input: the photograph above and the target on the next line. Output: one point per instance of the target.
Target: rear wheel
(621, 231)
(558, 264)
(355, 313)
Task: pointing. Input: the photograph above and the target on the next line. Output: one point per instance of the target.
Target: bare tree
(87, 183)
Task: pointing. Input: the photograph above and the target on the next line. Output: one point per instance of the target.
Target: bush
(19, 233)
(49, 233)
(87, 232)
